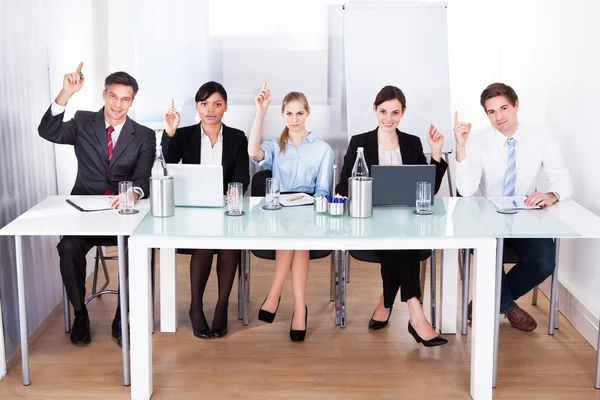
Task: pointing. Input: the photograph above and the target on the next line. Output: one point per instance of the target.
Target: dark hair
(121, 78)
(208, 89)
(390, 93)
(291, 96)
(498, 89)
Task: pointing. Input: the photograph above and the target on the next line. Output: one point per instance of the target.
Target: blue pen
(515, 204)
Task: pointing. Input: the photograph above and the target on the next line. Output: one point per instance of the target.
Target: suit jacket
(132, 156)
(411, 151)
(185, 146)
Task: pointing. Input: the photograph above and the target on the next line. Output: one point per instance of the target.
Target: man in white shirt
(506, 160)
(110, 147)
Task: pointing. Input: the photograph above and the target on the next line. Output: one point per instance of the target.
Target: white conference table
(301, 228)
(53, 216)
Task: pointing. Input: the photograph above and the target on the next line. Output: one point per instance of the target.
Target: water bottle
(360, 168)
(360, 188)
(159, 168)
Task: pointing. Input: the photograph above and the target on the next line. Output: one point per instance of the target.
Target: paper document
(296, 199)
(85, 205)
(512, 203)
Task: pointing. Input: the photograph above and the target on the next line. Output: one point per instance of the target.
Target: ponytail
(285, 135)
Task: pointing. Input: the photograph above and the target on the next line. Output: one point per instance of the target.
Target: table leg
(482, 347)
(2, 349)
(168, 291)
(498, 291)
(246, 291)
(336, 261)
(140, 309)
(124, 304)
(553, 318)
(448, 303)
(597, 385)
(22, 311)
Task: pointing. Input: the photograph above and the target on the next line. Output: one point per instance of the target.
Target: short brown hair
(121, 78)
(499, 89)
(390, 93)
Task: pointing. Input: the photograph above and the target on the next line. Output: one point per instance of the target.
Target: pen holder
(320, 205)
(162, 196)
(336, 209)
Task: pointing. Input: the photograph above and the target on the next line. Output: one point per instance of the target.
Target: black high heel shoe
(219, 332)
(436, 341)
(297, 335)
(267, 316)
(376, 325)
(200, 333)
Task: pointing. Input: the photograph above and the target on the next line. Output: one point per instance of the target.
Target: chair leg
(466, 267)
(332, 278)
(246, 274)
(461, 262)
(534, 296)
(153, 277)
(66, 311)
(433, 286)
(553, 319)
(347, 269)
(240, 287)
(105, 270)
(96, 262)
(423, 275)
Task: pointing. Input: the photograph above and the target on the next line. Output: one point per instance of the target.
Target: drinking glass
(423, 200)
(126, 199)
(235, 196)
(272, 191)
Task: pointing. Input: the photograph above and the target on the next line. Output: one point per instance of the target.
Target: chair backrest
(257, 187)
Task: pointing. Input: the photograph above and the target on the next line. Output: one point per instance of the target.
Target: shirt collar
(500, 139)
(117, 128)
(219, 137)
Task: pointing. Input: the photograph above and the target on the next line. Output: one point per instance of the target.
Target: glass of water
(423, 199)
(272, 192)
(235, 199)
(126, 199)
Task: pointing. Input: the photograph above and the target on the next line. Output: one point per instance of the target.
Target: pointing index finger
(172, 103)
(264, 85)
(79, 67)
(455, 118)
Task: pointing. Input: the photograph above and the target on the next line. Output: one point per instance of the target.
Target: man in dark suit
(110, 147)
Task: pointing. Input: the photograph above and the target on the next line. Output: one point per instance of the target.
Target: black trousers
(72, 251)
(400, 269)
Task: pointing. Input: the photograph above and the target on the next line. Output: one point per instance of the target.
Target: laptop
(397, 185)
(197, 185)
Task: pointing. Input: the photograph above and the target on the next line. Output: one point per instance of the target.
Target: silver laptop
(397, 185)
(197, 185)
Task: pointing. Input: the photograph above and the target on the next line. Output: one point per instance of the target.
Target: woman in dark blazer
(209, 143)
(387, 145)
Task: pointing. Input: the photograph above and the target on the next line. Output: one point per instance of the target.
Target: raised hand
(435, 139)
(461, 131)
(73, 82)
(171, 118)
(263, 99)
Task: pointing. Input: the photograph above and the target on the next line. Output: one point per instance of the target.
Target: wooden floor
(260, 362)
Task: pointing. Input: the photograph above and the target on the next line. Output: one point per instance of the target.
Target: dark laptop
(397, 185)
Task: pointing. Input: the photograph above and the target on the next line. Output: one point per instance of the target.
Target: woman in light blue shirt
(302, 163)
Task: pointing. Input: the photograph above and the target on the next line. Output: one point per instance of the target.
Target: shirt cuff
(56, 109)
(139, 191)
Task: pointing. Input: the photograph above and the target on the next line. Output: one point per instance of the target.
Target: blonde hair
(291, 96)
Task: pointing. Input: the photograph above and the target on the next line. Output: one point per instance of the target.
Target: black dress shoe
(267, 316)
(116, 331)
(203, 333)
(376, 325)
(297, 335)
(80, 333)
(436, 341)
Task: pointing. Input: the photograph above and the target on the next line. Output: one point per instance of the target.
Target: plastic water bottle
(360, 169)
(159, 168)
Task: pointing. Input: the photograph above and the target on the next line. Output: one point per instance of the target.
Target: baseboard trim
(575, 312)
(35, 334)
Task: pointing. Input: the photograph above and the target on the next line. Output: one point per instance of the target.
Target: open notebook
(296, 199)
(511, 203)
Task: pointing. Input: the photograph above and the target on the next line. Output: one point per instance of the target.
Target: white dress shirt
(56, 109)
(482, 172)
(209, 154)
(390, 157)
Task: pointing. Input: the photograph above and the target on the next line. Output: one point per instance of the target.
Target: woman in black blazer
(387, 145)
(209, 142)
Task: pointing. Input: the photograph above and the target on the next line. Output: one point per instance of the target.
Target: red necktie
(109, 132)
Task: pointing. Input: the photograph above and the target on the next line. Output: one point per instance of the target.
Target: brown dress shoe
(520, 319)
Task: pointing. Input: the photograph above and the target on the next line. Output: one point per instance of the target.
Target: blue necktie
(510, 178)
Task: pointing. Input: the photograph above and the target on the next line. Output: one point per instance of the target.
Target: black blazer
(411, 151)
(132, 156)
(185, 146)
